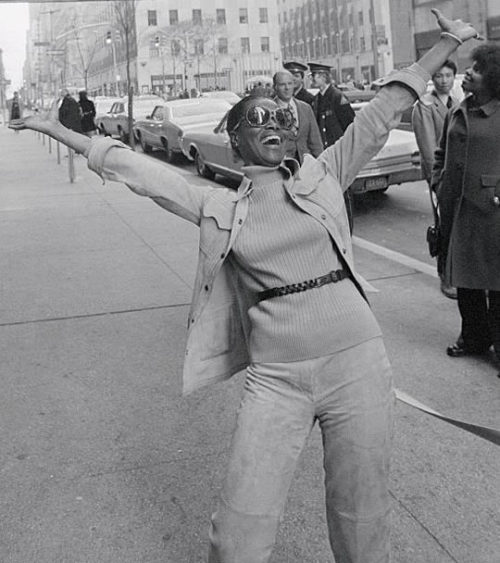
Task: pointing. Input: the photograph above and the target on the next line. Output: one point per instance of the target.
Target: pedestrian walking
(15, 107)
(334, 114)
(298, 71)
(277, 293)
(304, 137)
(69, 112)
(87, 110)
(428, 119)
(466, 177)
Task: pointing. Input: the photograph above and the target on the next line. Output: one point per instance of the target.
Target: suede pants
(350, 395)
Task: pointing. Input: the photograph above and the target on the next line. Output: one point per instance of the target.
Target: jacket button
(206, 288)
(222, 256)
(344, 251)
(323, 216)
(240, 221)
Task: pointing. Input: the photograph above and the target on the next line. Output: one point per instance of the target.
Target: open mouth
(272, 140)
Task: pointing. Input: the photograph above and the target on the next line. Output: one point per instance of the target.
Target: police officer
(333, 113)
(299, 92)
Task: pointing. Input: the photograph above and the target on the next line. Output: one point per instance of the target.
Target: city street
(103, 461)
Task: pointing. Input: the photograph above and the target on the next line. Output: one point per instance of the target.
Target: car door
(153, 126)
(107, 120)
(219, 150)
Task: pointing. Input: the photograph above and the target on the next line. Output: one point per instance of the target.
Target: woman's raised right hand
(44, 121)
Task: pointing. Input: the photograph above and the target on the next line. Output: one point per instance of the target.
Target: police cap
(294, 66)
(318, 67)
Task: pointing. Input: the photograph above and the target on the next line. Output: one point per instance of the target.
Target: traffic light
(157, 41)
(109, 39)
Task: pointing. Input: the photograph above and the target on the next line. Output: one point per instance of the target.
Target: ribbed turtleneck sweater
(279, 244)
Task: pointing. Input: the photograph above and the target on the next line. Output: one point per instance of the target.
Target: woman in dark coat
(88, 114)
(467, 176)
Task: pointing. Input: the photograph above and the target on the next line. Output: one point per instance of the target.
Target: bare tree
(125, 21)
(189, 40)
(85, 49)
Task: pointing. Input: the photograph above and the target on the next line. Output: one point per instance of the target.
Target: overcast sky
(13, 26)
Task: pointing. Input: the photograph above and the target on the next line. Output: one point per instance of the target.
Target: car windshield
(190, 110)
(145, 105)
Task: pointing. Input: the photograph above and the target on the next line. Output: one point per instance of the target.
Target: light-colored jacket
(218, 323)
(427, 120)
(306, 139)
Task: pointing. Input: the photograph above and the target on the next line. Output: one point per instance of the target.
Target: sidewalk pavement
(103, 461)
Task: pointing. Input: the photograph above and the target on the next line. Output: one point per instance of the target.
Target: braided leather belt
(332, 277)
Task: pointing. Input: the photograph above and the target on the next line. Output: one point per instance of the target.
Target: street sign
(55, 52)
(41, 43)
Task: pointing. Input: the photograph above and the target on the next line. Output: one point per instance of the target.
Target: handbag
(433, 234)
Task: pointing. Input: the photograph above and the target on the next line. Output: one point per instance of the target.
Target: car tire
(145, 147)
(123, 136)
(203, 170)
(171, 156)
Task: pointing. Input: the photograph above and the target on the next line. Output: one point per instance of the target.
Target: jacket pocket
(217, 333)
(491, 181)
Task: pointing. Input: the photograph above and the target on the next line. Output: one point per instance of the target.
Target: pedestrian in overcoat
(466, 175)
(298, 71)
(277, 294)
(428, 119)
(87, 108)
(69, 112)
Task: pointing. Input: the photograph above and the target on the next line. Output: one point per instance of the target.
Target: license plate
(376, 183)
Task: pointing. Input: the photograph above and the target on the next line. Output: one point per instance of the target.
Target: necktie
(295, 120)
(449, 103)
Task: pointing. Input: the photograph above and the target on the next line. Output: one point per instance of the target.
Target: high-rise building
(352, 36)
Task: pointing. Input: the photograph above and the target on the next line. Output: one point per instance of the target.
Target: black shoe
(448, 290)
(459, 351)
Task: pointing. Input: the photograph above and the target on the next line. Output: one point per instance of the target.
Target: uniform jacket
(218, 322)
(428, 120)
(304, 96)
(305, 139)
(466, 175)
(333, 114)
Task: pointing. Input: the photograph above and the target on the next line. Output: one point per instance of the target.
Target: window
(361, 18)
(222, 45)
(221, 16)
(173, 16)
(264, 44)
(263, 15)
(197, 17)
(245, 44)
(362, 43)
(199, 46)
(152, 19)
(243, 15)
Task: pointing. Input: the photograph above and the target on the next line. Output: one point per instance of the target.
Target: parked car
(169, 121)
(115, 122)
(227, 95)
(397, 162)
(103, 105)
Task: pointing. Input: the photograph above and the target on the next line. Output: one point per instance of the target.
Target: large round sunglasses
(258, 116)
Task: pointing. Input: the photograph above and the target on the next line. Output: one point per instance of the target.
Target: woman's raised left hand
(462, 30)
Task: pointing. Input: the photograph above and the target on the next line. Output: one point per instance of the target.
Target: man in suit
(298, 71)
(333, 113)
(304, 137)
(428, 119)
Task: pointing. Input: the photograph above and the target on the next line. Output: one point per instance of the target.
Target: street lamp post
(110, 41)
(159, 46)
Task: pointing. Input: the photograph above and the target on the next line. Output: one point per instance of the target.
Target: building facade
(205, 44)
(352, 36)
